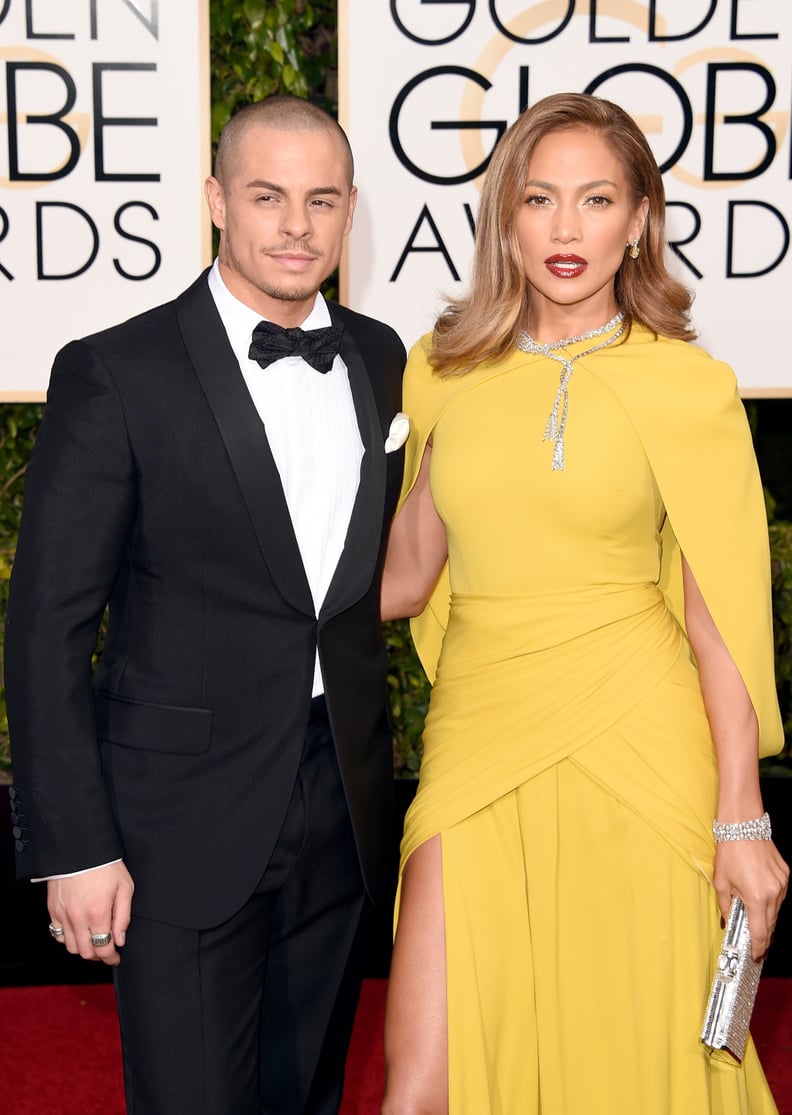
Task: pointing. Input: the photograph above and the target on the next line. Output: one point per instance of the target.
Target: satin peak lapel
(356, 566)
(246, 442)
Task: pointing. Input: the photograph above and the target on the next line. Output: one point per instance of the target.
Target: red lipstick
(566, 266)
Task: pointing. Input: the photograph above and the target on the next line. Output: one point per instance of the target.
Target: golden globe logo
(719, 119)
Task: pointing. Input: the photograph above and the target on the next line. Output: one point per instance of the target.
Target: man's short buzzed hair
(284, 113)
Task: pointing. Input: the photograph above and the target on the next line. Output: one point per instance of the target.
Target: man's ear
(215, 199)
(353, 195)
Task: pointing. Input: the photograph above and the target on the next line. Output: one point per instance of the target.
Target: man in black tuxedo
(225, 487)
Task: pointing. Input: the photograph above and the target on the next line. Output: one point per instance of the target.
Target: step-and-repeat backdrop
(428, 86)
(104, 146)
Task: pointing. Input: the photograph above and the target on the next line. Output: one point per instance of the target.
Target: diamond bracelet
(758, 829)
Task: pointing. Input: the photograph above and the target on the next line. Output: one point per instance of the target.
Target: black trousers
(254, 1016)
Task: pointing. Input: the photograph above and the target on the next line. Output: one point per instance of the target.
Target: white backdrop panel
(104, 144)
(428, 85)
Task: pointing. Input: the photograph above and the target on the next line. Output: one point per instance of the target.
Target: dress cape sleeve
(686, 409)
(424, 398)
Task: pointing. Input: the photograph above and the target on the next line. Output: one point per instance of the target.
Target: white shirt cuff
(74, 874)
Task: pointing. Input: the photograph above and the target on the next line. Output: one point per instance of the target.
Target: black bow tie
(318, 347)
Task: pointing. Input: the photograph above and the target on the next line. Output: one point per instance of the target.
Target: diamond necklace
(556, 423)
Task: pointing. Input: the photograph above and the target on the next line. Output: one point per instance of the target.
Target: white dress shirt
(312, 430)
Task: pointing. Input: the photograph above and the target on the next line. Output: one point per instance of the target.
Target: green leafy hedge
(283, 46)
(18, 425)
(781, 565)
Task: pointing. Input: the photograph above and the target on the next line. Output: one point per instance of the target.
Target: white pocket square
(398, 433)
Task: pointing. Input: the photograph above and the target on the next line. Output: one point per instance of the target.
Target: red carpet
(59, 1050)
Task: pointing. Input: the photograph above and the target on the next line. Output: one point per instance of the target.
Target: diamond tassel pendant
(554, 430)
(556, 423)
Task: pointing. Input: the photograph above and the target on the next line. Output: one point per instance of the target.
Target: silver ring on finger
(56, 931)
(100, 939)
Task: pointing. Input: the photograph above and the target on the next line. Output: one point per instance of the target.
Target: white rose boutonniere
(398, 433)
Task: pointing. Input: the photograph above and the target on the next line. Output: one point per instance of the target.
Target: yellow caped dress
(568, 763)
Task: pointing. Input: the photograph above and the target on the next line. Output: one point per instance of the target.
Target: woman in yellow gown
(599, 637)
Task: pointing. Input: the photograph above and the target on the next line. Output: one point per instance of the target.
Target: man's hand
(94, 903)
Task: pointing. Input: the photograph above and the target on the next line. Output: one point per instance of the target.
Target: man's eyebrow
(263, 184)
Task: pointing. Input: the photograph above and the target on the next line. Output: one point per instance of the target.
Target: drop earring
(635, 249)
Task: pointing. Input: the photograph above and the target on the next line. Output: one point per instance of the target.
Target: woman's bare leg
(416, 1016)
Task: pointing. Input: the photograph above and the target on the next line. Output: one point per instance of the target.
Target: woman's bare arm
(751, 869)
(417, 551)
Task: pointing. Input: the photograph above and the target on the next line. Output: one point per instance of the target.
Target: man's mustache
(293, 249)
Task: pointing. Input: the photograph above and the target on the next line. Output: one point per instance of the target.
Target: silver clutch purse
(731, 1001)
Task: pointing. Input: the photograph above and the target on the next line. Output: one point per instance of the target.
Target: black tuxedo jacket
(152, 487)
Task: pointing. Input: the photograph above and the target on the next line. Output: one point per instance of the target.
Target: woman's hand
(754, 871)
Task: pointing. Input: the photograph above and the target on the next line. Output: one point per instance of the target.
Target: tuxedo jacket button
(20, 845)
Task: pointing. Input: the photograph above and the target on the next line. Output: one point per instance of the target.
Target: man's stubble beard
(280, 293)
(283, 294)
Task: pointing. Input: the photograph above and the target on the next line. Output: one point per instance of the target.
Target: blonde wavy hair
(485, 323)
